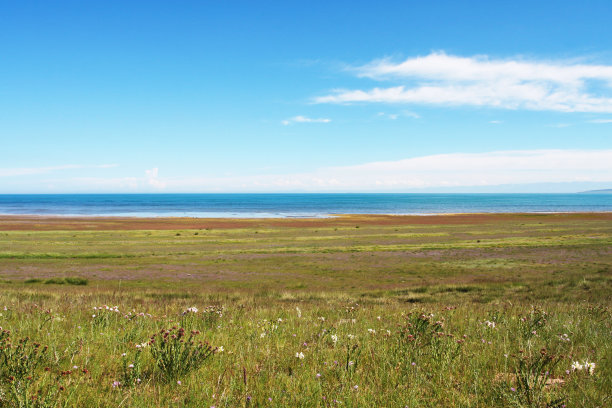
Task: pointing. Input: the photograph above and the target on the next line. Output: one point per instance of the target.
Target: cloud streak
(304, 119)
(441, 79)
(411, 174)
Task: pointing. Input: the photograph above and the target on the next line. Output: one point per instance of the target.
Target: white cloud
(26, 171)
(304, 119)
(391, 116)
(496, 122)
(153, 178)
(435, 171)
(599, 121)
(441, 79)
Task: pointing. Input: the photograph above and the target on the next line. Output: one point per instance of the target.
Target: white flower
(262, 335)
(590, 367)
(220, 349)
(192, 309)
(490, 324)
(371, 331)
(576, 366)
(299, 312)
(300, 355)
(334, 338)
(350, 336)
(131, 366)
(123, 354)
(564, 337)
(378, 317)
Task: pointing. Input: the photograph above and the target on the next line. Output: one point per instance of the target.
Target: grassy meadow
(508, 311)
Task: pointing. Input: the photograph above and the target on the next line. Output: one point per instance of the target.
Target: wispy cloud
(441, 79)
(394, 116)
(153, 180)
(391, 116)
(599, 121)
(434, 171)
(25, 171)
(304, 119)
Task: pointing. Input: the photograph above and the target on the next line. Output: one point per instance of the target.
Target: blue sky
(404, 96)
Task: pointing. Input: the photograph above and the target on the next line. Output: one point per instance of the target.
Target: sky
(318, 96)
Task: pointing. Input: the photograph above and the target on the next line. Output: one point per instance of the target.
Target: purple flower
(512, 389)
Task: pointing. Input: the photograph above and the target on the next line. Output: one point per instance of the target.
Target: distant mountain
(605, 191)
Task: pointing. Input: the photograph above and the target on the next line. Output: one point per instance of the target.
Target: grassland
(361, 311)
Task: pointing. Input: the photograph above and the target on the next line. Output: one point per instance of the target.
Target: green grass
(384, 316)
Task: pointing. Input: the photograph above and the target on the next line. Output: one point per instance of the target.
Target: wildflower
(116, 384)
(356, 387)
(334, 338)
(576, 366)
(262, 335)
(220, 349)
(321, 318)
(138, 380)
(299, 355)
(179, 382)
(270, 399)
(413, 364)
(378, 317)
(131, 366)
(123, 354)
(350, 363)
(192, 309)
(388, 332)
(490, 324)
(350, 336)
(590, 367)
(299, 312)
(564, 337)
(372, 331)
(512, 389)
(318, 375)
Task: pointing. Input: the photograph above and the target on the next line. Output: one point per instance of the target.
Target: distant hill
(605, 191)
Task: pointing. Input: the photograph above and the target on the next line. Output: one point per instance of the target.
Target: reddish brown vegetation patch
(44, 223)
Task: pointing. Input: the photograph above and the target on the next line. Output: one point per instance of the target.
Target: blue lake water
(295, 205)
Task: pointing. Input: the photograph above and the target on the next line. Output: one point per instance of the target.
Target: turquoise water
(295, 205)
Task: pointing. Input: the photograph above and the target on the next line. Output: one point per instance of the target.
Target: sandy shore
(49, 223)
